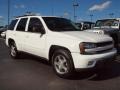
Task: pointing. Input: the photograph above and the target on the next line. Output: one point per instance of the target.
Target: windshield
(60, 24)
(107, 22)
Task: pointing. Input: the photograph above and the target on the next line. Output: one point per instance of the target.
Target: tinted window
(60, 24)
(12, 24)
(35, 25)
(22, 24)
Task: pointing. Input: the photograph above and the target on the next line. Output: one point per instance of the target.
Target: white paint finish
(88, 37)
(20, 39)
(35, 43)
(81, 61)
(39, 45)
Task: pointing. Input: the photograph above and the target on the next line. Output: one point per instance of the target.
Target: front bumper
(90, 61)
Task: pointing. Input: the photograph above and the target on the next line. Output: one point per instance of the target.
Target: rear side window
(12, 24)
(22, 24)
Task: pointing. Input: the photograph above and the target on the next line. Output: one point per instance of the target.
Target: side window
(22, 24)
(12, 24)
(36, 26)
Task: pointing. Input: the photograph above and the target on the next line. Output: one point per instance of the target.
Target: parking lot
(32, 73)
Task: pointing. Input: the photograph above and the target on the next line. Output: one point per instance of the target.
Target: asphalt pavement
(33, 73)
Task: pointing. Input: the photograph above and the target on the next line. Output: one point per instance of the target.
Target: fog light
(90, 63)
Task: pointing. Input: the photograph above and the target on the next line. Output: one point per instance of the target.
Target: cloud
(22, 6)
(19, 6)
(66, 14)
(38, 14)
(1, 17)
(100, 7)
(15, 6)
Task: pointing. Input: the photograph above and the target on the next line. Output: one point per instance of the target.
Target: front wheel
(62, 63)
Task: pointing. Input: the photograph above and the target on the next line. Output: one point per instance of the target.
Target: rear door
(20, 34)
(35, 41)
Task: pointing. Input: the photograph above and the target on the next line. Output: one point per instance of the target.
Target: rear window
(12, 24)
(22, 24)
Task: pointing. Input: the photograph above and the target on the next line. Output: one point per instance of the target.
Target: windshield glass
(60, 24)
(107, 22)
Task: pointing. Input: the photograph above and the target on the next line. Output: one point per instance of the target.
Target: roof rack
(24, 16)
(27, 14)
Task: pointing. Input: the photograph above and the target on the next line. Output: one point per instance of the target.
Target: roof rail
(27, 14)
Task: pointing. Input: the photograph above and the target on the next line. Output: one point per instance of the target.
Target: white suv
(60, 42)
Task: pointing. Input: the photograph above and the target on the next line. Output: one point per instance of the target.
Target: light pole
(91, 17)
(74, 6)
(111, 15)
(66, 14)
(8, 12)
(52, 11)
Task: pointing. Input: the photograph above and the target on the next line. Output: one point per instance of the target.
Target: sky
(98, 9)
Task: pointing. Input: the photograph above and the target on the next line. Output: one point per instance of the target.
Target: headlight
(86, 45)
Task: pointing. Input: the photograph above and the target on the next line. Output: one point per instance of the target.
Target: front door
(35, 38)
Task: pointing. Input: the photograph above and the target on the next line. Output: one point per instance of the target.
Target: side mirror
(40, 29)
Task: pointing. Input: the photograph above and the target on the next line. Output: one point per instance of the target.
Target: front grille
(103, 51)
(101, 47)
(102, 44)
(98, 52)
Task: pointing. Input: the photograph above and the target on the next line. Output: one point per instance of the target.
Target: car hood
(88, 37)
(103, 30)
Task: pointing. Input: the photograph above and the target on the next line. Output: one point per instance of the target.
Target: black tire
(63, 66)
(13, 51)
(115, 38)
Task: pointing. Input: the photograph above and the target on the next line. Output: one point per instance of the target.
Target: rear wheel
(62, 63)
(13, 50)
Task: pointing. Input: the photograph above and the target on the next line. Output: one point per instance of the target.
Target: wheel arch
(55, 47)
(10, 40)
